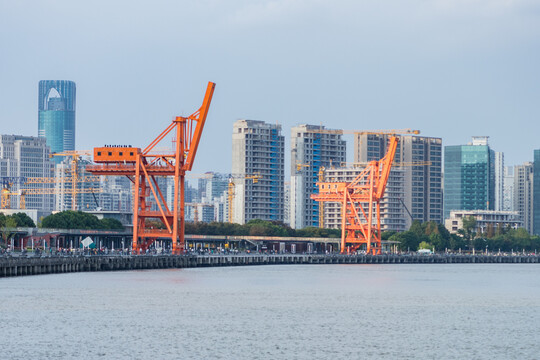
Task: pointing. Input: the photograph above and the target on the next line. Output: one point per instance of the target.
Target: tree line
(9, 222)
(79, 220)
(431, 235)
(16, 220)
(258, 228)
(427, 235)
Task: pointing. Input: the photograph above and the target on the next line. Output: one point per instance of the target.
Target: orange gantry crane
(366, 190)
(143, 166)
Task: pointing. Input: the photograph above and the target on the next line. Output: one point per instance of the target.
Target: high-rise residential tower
(536, 193)
(499, 180)
(56, 115)
(469, 176)
(523, 194)
(24, 157)
(508, 202)
(258, 148)
(311, 149)
(420, 160)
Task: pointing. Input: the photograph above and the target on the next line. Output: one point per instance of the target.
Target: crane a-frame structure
(143, 166)
(366, 190)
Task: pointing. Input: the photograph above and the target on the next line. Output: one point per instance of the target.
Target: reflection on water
(479, 311)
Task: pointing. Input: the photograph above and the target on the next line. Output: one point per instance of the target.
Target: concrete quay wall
(19, 266)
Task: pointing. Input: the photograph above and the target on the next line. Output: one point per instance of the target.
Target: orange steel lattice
(143, 166)
(366, 189)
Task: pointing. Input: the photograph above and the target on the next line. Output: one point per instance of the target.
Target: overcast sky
(451, 68)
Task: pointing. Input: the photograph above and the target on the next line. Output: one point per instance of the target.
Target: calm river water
(476, 311)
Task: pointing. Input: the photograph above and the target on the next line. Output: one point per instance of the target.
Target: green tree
(469, 223)
(76, 220)
(431, 227)
(457, 242)
(424, 245)
(439, 242)
(417, 228)
(23, 220)
(6, 230)
(407, 240)
(110, 224)
(385, 235)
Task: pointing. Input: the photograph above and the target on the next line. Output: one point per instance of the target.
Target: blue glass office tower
(56, 108)
(536, 193)
(469, 177)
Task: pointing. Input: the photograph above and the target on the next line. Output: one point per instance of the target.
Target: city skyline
(451, 69)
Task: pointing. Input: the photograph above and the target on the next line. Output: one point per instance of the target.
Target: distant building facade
(27, 157)
(508, 201)
(523, 194)
(56, 114)
(419, 159)
(499, 181)
(487, 221)
(536, 193)
(117, 194)
(86, 192)
(214, 187)
(312, 148)
(469, 176)
(258, 148)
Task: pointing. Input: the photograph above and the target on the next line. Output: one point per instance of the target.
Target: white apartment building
(486, 220)
(311, 150)
(523, 194)
(258, 148)
(508, 201)
(499, 181)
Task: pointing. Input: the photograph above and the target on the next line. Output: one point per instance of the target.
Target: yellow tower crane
(6, 198)
(75, 156)
(231, 189)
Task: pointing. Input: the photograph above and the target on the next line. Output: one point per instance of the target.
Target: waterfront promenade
(34, 265)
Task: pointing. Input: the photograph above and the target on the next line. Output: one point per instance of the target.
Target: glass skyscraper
(56, 108)
(536, 193)
(469, 177)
